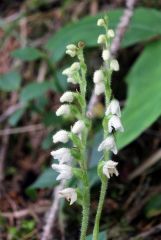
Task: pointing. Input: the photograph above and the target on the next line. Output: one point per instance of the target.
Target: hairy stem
(99, 209)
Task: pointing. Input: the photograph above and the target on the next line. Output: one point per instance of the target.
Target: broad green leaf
(35, 90)
(27, 53)
(144, 95)
(153, 207)
(46, 180)
(141, 28)
(102, 236)
(16, 116)
(10, 81)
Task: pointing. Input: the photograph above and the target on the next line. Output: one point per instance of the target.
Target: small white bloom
(106, 54)
(78, 127)
(70, 194)
(71, 53)
(114, 65)
(71, 47)
(75, 66)
(67, 97)
(114, 108)
(98, 76)
(109, 168)
(108, 144)
(71, 80)
(110, 33)
(100, 22)
(61, 136)
(115, 123)
(65, 171)
(99, 88)
(63, 110)
(63, 155)
(101, 39)
(67, 72)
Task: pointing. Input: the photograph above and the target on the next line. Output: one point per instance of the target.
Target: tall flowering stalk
(111, 121)
(73, 161)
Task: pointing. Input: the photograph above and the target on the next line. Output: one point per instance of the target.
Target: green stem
(99, 209)
(85, 213)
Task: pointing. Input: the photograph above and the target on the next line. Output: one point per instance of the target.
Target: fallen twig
(19, 130)
(153, 230)
(52, 214)
(145, 165)
(10, 111)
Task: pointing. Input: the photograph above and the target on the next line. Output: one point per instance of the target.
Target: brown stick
(18, 130)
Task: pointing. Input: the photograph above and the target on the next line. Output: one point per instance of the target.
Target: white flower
(110, 33)
(61, 136)
(71, 53)
(108, 144)
(67, 97)
(115, 123)
(63, 155)
(67, 72)
(78, 127)
(100, 22)
(71, 47)
(113, 108)
(106, 54)
(101, 39)
(99, 88)
(109, 168)
(65, 171)
(75, 66)
(98, 76)
(114, 65)
(63, 110)
(70, 194)
(71, 80)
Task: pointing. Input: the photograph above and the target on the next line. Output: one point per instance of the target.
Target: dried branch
(52, 213)
(19, 130)
(120, 31)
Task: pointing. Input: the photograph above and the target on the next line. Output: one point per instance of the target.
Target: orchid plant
(73, 161)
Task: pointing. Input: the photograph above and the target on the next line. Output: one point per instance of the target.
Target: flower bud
(75, 66)
(106, 54)
(100, 22)
(114, 65)
(110, 33)
(71, 53)
(99, 88)
(113, 108)
(98, 76)
(63, 110)
(67, 97)
(67, 72)
(115, 123)
(78, 127)
(71, 80)
(61, 136)
(108, 144)
(101, 39)
(71, 47)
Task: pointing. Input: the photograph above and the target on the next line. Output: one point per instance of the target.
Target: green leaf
(144, 95)
(35, 90)
(10, 81)
(46, 180)
(16, 116)
(142, 27)
(102, 236)
(27, 54)
(153, 207)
